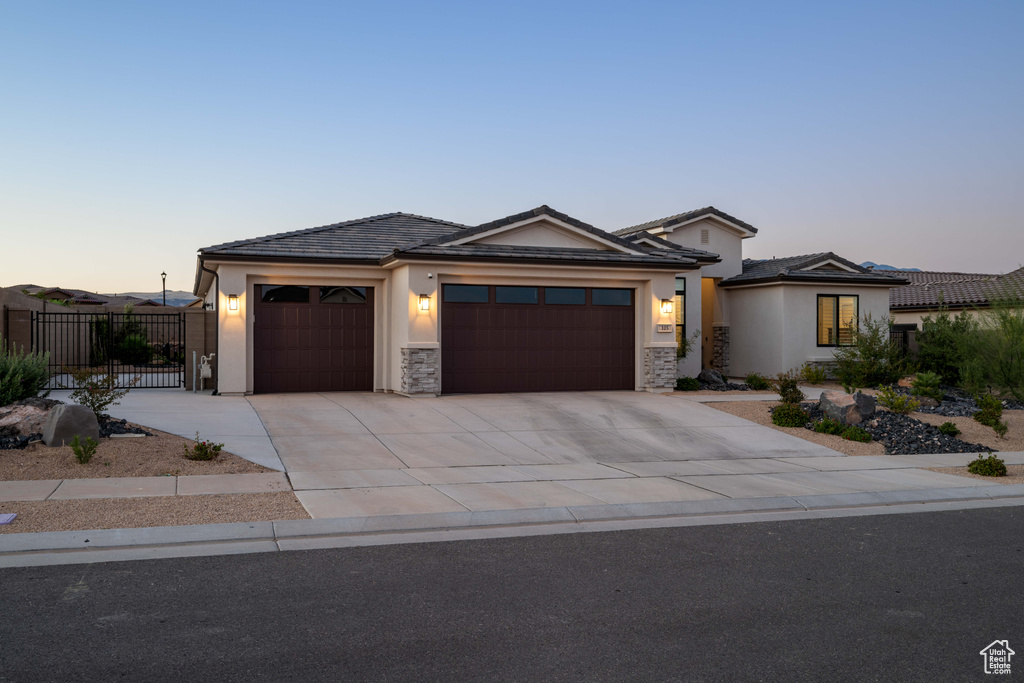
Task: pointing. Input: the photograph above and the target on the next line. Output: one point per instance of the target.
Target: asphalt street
(910, 597)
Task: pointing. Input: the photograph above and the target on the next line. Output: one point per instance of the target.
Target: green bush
(789, 415)
(927, 384)
(988, 467)
(994, 357)
(687, 384)
(944, 343)
(203, 450)
(22, 375)
(813, 374)
(757, 382)
(873, 359)
(949, 429)
(829, 426)
(97, 390)
(897, 402)
(786, 384)
(854, 433)
(991, 410)
(84, 451)
(135, 349)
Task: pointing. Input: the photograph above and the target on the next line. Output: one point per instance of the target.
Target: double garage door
(493, 338)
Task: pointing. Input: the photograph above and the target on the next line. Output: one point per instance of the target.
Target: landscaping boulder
(710, 376)
(23, 419)
(927, 401)
(847, 409)
(67, 421)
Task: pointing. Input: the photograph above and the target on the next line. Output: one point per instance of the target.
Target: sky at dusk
(132, 134)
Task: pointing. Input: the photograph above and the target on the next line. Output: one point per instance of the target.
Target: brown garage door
(310, 338)
(498, 339)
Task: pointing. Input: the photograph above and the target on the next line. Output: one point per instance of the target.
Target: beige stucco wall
(542, 234)
(398, 322)
(916, 317)
(724, 241)
(765, 342)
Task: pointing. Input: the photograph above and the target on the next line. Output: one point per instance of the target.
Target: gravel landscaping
(1014, 474)
(133, 513)
(148, 456)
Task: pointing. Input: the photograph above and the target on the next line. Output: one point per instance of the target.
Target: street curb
(70, 547)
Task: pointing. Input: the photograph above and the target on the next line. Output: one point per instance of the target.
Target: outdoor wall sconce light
(424, 302)
(666, 306)
(232, 302)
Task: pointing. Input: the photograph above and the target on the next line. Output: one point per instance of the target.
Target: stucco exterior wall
(764, 342)
(400, 324)
(723, 241)
(916, 317)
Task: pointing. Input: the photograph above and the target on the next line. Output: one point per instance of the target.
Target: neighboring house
(80, 297)
(930, 291)
(537, 301)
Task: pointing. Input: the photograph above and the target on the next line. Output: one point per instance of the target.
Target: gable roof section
(796, 269)
(931, 289)
(468, 234)
(670, 221)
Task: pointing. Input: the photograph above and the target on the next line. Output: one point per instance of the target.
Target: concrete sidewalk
(141, 487)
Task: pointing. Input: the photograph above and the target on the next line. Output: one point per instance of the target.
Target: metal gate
(149, 347)
(900, 336)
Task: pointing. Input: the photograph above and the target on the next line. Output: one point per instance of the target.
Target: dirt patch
(757, 411)
(975, 432)
(1014, 474)
(134, 513)
(150, 456)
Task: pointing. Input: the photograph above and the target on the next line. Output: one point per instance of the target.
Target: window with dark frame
(284, 294)
(516, 295)
(837, 319)
(611, 297)
(680, 306)
(467, 294)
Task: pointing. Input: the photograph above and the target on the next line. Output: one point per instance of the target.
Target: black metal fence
(900, 335)
(141, 350)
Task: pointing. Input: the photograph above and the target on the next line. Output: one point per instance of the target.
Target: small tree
(996, 358)
(873, 358)
(944, 343)
(98, 390)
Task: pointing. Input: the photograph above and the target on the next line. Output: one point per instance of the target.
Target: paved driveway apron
(363, 454)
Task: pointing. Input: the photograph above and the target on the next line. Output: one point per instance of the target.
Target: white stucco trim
(797, 283)
(830, 262)
(589, 236)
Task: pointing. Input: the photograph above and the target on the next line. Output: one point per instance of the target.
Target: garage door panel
(313, 346)
(490, 347)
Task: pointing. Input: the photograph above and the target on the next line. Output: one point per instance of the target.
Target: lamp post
(163, 276)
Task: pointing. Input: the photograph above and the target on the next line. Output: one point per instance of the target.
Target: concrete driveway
(359, 454)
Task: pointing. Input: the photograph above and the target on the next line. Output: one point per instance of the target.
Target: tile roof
(364, 239)
(669, 221)
(793, 268)
(381, 239)
(930, 289)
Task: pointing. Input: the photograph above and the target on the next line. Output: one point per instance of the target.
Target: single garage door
(501, 339)
(312, 338)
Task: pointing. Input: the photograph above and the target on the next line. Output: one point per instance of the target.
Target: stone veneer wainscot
(421, 371)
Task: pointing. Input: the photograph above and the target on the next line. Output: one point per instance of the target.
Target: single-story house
(537, 301)
(930, 291)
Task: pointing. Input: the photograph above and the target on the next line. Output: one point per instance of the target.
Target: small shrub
(98, 390)
(927, 384)
(855, 433)
(897, 402)
(949, 429)
(872, 359)
(789, 415)
(829, 426)
(135, 349)
(1001, 429)
(203, 450)
(785, 384)
(687, 384)
(84, 451)
(22, 375)
(987, 467)
(757, 382)
(813, 374)
(991, 410)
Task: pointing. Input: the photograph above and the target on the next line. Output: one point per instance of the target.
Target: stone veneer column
(421, 371)
(720, 356)
(660, 368)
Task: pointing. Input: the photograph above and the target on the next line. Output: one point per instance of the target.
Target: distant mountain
(174, 297)
(882, 266)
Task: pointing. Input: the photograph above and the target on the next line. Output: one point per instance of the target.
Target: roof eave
(634, 265)
(781, 279)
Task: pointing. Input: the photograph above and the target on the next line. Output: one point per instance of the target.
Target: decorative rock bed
(712, 380)
(22, 423)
